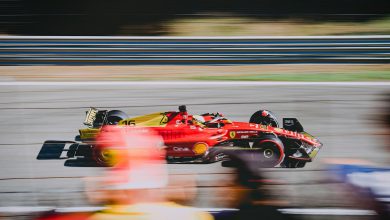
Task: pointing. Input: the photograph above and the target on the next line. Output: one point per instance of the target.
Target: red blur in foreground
(137, 156)
(135, 186)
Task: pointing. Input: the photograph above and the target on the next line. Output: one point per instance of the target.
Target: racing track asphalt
(341, 116)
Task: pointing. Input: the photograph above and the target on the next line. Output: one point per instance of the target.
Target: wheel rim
(271, 153)
(105, 155)
(102, 157)
(268, 153)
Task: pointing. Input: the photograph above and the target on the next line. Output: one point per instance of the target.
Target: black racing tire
(114, 116)
(100, 157)
(270, 119)
(292, 163)
(270, 152)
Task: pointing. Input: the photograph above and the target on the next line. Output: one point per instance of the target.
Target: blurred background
(325, 62)
(189, 18)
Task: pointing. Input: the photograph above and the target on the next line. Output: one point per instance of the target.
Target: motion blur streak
(30, 50)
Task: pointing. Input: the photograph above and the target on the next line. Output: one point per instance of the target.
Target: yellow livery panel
(158, 119)
(88, 133)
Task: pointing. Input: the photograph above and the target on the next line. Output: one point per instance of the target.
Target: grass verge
(304, 77)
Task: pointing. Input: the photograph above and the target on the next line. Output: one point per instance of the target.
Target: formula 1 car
(207, 138)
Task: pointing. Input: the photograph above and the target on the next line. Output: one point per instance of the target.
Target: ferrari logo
(232, 134)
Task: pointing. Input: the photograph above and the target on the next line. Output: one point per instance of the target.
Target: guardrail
(92, 50)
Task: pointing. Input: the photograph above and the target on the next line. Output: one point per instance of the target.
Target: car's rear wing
(95, 118)
(90, 117)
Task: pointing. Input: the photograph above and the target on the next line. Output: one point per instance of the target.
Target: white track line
(188, 83)
(328, 211)
(292, 211)
(25, 209)
(79, 209)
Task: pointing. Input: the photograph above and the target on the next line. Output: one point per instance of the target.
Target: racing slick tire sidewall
(270, 119)
(114, 116)
(99, 158)
(271, 152)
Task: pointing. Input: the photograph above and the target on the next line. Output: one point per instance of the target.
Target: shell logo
(200, 148)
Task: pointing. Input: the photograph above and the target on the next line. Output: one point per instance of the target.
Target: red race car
(211, 137)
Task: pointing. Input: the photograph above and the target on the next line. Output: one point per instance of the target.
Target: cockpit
(211, 120)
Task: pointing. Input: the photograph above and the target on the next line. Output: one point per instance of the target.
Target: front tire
(270, 152)
(264, 117)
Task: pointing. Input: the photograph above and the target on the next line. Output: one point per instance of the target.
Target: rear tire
(100, 157)
(114, 116)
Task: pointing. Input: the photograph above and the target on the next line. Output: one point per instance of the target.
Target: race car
(211, 137)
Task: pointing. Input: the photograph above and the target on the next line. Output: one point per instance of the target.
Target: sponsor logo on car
(246, 132)
(181, 149)
(288, 122)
